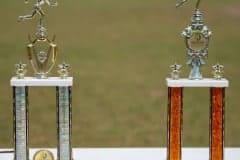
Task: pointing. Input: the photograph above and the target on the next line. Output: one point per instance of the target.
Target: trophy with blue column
(42, 54)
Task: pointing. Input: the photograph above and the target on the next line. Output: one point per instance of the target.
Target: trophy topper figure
(37, 9)
(197, 37)
(184, 1)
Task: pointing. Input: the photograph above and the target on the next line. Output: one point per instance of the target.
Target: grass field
(120, 52)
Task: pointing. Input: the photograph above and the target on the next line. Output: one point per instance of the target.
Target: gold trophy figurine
(21, 70)
(42, 51)
(63, 70)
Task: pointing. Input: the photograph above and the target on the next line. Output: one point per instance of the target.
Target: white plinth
(32, 81)
(135, 154)
(207, 82)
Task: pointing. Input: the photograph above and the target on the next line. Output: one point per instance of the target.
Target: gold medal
(43, 155)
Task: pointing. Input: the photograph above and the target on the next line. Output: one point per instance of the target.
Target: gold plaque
(43, 155)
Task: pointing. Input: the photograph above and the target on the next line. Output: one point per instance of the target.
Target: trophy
(42, 53)
(196, 37)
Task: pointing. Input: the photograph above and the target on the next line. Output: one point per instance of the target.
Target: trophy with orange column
(196, 37)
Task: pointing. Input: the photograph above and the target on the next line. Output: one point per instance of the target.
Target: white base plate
(206, 82)
(33, 81)
(135, 154)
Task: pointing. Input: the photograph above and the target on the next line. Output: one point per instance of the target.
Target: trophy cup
(197, 40)
(42, 53)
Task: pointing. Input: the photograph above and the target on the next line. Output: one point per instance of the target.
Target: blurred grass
(119, 53)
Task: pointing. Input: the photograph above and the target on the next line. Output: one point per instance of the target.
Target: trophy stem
(196, 64)
(64, 123)
(41, 75)
(20, 105)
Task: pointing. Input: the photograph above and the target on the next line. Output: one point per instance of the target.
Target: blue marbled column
(20, 123)
(64, 123)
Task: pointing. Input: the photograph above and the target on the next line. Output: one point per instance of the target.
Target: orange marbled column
(174, 123)
(217, 123)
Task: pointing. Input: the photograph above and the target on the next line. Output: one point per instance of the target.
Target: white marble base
(206, 82)
(135, 154)
(33, 81)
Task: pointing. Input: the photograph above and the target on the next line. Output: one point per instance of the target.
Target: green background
(120, 52)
